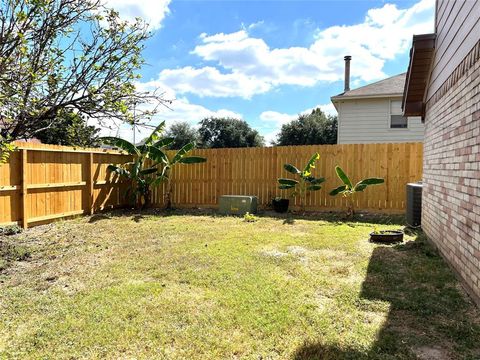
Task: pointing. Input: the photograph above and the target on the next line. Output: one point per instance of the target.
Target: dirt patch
(431, 353)
(273, 253)
(10, 253)
(323, 301)
(297, 250)
(294, 251)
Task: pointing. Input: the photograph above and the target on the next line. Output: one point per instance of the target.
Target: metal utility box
(414, 204)
(237, 204)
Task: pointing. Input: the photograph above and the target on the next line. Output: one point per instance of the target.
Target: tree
(144, 175)
(228, 133)
(58, 55)
(183, 133)
(69, 128)
(312, 129)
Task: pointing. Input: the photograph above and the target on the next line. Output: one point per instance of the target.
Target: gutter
(343, 97)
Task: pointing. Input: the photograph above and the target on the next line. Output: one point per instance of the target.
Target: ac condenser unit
(414, 204)
(237, 204)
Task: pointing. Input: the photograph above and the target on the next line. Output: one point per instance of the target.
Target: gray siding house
(373, 113)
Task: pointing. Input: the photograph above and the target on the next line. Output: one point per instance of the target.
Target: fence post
(218, 158)
(90, 183)
(24, 194)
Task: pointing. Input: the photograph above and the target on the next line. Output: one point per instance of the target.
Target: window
(397, 120)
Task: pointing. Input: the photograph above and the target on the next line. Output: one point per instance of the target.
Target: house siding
(451, 193)
(457, 28)
(364, 121)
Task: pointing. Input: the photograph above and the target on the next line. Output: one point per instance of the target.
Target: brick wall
(451, 194)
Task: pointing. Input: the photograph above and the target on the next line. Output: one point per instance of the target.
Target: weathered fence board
(41, 183)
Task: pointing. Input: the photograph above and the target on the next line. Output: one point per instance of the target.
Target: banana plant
(306, 181)
(150, 165)
(348, 190)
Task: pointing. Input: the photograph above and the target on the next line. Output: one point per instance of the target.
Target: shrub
(10, 230)
(249, 217)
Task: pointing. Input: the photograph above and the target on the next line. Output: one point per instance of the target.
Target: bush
(10, 230)
(249, 217)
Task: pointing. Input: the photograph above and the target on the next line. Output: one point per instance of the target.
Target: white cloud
(208, 81)
(249, 66)
(273, 120)
(181, 109)
(276, 117)
(152, 11)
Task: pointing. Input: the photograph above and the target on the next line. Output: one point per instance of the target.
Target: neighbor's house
(373, 113)
(443, 87)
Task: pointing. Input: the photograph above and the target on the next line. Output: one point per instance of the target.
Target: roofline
(353, 97)
(367, 85)
(425, 43)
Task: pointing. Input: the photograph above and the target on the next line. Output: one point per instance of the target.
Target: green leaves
(290, 182)
(359, 187)
(181, 157)
(160, 179)
(291, 169)
(155, 135)
(306, 183)
(338, 190)
(6, 148)
(122, 144)
(348, 191)
(157, 155)
(142, 177)
(118, 170)
(371, 181)
(182, 152)
(362, 185)
(315, 181)
(148, 171)
(341, 174)
(164, 142)
(78, 57)
(311, 164)
(286, 187)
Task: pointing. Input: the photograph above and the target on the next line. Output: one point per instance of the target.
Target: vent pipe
(347, 72)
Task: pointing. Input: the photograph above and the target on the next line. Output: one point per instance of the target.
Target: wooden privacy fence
(44, 182)
(41, 183)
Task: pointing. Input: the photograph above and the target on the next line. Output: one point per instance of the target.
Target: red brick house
(443, 86)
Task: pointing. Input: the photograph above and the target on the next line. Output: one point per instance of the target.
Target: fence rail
(41, 183)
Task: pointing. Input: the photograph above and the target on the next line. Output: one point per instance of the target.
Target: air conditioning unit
(414, 204)
(237, 204)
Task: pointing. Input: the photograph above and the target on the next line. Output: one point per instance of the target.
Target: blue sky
(268, 61)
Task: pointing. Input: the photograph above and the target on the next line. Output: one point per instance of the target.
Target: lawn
(193, 286)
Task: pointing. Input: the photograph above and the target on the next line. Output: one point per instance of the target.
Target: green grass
(204, 287)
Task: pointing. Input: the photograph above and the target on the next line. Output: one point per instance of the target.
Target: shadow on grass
(430, 316)
(289, 221)
(136, 215)
(286, 218)
(98, 217)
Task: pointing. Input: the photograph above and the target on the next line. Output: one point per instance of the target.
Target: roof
(421, 55)
(392, 86)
